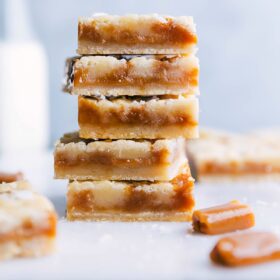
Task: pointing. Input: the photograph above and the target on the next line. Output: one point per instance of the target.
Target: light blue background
(239, 51)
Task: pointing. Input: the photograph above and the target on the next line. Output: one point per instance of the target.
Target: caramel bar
(219, 153)
(132, 118)
(79, 159)
(10, 177)
(223, 218)
(246, 249)
(136, 34)
(147, 75)
(131, 200)
(28, 222)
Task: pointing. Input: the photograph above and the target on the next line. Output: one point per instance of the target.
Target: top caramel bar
(136, 34)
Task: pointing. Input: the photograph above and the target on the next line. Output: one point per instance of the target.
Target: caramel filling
(161, 74)
(169, 33)
(90, 113)
(30, 230)
(62, 159)
(246, 249)
(236, 168)
(139, 200)
(10, 177)
(224, 218)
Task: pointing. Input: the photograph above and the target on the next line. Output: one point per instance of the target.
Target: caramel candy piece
(223, 218)
(10, 177)
(246, 249)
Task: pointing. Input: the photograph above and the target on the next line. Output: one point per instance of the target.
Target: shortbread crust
(79, 159)
(129, 118)
(136, 34)
(131, 75)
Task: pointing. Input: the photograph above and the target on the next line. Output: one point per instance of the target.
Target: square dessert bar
(80, 159)
(131, 200)
(222, 154)
(146, 75)
(136, 34)
(135, 118)
(27, 222)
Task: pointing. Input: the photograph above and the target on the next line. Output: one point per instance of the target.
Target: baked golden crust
(25, 218)
(136, 34)
(132, 200)
(123, 118)
(146, 75)
(78, 159)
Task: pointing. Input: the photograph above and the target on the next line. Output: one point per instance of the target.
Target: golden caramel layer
(28, 230)
(236, 168)
(10, 177)
(123, 118)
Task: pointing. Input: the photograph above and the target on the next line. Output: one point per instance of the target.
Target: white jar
(23, 84)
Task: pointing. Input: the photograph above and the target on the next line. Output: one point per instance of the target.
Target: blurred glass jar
(23, 83)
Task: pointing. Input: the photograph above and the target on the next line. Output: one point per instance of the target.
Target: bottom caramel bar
(131, 201)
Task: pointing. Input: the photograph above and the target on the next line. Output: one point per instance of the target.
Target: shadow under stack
(136, 80)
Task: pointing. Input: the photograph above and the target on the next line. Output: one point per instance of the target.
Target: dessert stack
(136, 80)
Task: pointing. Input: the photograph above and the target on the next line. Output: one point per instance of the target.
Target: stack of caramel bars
(136, 80)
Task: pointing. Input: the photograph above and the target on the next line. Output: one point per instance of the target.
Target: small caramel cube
(246, 249)
(10, 177)
(223, 218)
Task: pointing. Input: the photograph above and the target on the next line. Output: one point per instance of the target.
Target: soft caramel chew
(130, 118)
(219, 154)
(6, 177)
(223, 218)
(246, 249)
(146, 75)
(79, 159)
(27, 222)
(131, 200)
(136, 34)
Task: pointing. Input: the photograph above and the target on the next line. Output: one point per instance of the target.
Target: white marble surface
(138, 250)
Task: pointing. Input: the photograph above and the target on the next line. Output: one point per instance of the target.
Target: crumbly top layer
(121, 148)
(19, 204)
(19, 185)
(133, 20)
